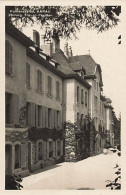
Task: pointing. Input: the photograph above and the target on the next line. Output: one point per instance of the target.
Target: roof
(18, 35)
(86, 61)
(35, 56)
(76, 66)
(63, 61)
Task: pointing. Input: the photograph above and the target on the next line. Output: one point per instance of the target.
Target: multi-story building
(45, 88)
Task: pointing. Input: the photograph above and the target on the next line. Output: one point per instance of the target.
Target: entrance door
(8, 160)
(29, 156)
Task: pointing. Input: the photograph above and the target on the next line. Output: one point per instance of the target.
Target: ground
(88, 174)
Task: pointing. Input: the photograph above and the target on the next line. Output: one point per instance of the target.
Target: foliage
(116, 184)
(64, 21)
(117, 128)
(35, 133)
(12, 182)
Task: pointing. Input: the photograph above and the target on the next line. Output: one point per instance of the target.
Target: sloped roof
(76, 66)
(63, 61)
(86, 61)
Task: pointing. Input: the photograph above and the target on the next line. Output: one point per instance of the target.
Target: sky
(106, 51)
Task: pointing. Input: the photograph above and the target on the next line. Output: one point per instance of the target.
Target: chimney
(36, 38)
(70, 54)
(66, 52)
(55, 44)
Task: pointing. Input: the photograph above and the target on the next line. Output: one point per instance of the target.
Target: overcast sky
(106, 51)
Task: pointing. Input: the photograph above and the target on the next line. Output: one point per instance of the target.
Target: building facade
(50, 96)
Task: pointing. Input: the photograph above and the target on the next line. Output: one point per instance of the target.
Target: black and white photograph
(63, 86)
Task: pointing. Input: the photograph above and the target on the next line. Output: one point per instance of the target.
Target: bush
(116, 184)
(12, 182)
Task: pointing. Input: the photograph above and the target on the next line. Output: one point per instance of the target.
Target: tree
(65, 21)
(117, 128)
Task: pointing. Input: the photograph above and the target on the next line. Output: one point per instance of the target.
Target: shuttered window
(86, 98)
(8, 58)
(28, 113)
(23, 155)
(82, 96)
(12, 109)
(77, 93)
(49, 118)
(57, 90)
(27, 75)
(58, 119)
(17, 156)
(49, 86)
(39, 81)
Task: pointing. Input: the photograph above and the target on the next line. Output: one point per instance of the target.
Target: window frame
(28, 73)
(39, 81)
(49, 80)
(78, 95)
(57, 90)
(8, 58)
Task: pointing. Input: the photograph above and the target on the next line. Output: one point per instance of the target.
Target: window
(49, 86)
(39, 115)
(27, 75)
(28, 113)
(8, 108)
(39, 81)
(77, 93)
(12, 109)
(50, 149)
(58, 123)
(8, 58)
(81, 119)
(86, 98)
(58, 148)
(77, 119)
(57, 90)
(17, 156)
(97, 86)
(82, 74)
(82, 96)
(49, 117)
(39, 150)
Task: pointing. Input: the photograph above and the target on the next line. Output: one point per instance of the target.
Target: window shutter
(37, 80)
(43, 116)
(56, 119)
(36, 115)
(46, 115)
(27, 75)
(23, 155)
(7, 57)
(32, 114)
(10, 59)
(60, 119)
(15, 109)
(53, 118)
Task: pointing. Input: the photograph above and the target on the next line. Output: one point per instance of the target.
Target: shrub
(12, 182)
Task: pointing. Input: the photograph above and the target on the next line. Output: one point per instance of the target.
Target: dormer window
(82, 74)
